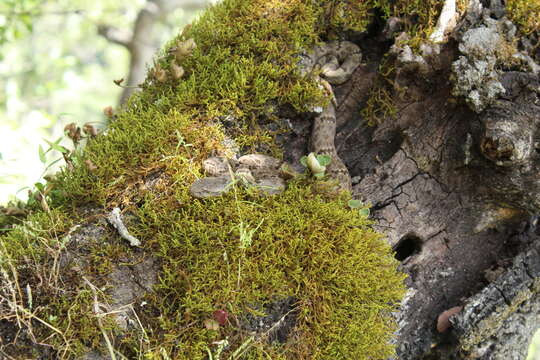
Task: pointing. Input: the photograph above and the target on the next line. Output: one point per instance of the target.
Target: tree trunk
(450, 167)
(453, 185)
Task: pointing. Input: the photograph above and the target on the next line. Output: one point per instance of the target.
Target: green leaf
(324, 159)
(56, 145)
(303, 161)
(40, 187)
(355, 204)
(42, 153)
(364, 212)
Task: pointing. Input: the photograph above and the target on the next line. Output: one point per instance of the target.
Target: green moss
(319, 252)
(380, 104)
(353, 15)
(525, 13)
(420, 16)
(245, 59)
(309, 247)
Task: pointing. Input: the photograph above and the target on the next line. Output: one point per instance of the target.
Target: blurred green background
(56, 69)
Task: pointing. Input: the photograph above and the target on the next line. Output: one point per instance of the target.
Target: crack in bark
(507, 301)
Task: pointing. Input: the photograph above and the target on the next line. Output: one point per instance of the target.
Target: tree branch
(137, 41)
(115, 35)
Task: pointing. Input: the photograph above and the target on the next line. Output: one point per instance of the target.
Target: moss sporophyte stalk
(235, 255)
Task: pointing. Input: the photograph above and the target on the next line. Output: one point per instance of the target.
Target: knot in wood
(499, 150)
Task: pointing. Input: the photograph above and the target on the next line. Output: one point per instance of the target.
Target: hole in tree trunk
(408, 246)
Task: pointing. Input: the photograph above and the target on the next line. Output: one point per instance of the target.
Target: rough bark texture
(454, 187)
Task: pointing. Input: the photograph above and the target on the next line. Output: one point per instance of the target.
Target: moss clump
(420, 16)
(318, 252)
(380, 104)
(245, 59)
(307, 247)
(525, 13)
(32, 289)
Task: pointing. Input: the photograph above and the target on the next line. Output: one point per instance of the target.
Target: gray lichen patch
(506, 309)
(487, 49)
(475, 74)
(480, 42)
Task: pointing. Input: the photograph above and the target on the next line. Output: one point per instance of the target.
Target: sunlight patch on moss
(525, 13)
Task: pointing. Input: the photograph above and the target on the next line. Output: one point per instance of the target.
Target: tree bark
(453, 184)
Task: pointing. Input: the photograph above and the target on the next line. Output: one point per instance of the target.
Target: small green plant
(53, 146)
(316, 164)
(363, 210)
(181, 140)
(246, 234)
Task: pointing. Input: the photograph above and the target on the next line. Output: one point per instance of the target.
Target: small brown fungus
(443, 321)
(160, 74)
(184, 49)
(73, 132)
(89, 130)
(108, 112)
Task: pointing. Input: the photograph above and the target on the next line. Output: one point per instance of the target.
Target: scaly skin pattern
(337, 60)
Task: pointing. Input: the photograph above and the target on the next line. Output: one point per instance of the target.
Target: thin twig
(99, 314)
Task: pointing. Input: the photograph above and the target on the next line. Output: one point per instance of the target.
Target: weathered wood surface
(455, 187)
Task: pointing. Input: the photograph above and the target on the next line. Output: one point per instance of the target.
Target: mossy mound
(302, 246)
(236, 252)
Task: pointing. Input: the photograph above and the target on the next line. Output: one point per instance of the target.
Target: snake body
(336, 60)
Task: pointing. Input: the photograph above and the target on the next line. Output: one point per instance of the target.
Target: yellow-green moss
(380, 104)
(245, 59)
(525, 13)
(420, 16)
(318, 251)
(307, 246)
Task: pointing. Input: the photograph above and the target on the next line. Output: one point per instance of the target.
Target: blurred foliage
(16, 18)
(55, 69)
(534, 348)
